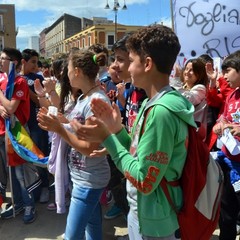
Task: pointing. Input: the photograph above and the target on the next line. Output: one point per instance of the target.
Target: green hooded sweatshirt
(158, 149)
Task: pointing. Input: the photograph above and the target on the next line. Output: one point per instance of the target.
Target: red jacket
(217, 98)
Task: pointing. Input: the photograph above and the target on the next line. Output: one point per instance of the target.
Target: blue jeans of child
(27, 198)
(84, 219)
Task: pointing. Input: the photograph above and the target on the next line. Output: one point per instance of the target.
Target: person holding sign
(229, 160)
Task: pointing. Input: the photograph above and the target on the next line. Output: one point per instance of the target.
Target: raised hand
(96, 132)
(48, 122)
(212, 74)
(110, 115)
(49, 84)
(234, 129)
(39, 89)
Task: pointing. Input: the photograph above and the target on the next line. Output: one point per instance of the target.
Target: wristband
(41, 97)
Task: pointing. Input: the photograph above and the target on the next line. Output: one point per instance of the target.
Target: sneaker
(44, 197)
(8, 212)
(238, 229)
(52, 206)
(113, 212)
(29, 214)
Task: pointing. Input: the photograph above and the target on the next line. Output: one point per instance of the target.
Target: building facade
(8, 30)
(69, 32)
(102, 33)
(42, 42)
(33, 43)
(66, 26)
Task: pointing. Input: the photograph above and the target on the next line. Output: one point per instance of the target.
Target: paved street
(49, 226)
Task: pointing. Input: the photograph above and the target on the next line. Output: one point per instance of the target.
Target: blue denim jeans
(84, 219)
(27, 198)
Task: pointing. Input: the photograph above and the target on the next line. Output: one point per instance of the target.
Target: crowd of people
(110, 139)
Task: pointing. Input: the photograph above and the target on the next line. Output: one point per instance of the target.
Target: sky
(32, 16)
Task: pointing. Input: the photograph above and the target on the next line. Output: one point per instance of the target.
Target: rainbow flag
(19, 138)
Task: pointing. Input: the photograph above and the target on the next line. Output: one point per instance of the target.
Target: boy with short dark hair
(19, 105)
(30, 59)
(230, 162)
(157, 146)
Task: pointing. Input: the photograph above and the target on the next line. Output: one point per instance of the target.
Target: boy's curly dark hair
(158, 42)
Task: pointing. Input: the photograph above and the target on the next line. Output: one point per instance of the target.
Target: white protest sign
(211, 27)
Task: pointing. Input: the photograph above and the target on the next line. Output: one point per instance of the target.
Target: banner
(207, 26)
(20, 141)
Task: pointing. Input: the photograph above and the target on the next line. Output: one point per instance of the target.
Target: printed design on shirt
(159, 157)
(19, 93)
(133, 105)
(135, 138)
(132, 114)
(30, 82)
(77, 160)
(134, 144)
(147, 185)
(3, 76)
(77, 115)
(80, 119)
(236, 116)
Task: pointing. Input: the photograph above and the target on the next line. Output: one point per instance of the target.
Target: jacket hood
(177, 104)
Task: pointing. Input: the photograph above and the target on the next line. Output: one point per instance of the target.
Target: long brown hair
(199, 70)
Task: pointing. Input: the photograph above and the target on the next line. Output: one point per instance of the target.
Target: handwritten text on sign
(207, 27)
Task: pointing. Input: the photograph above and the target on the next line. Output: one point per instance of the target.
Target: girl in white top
(90, 175)
(194, 87)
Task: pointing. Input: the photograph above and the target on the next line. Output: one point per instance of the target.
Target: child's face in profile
(31, 66)
(137, 70)
(113, 74)
(4, 63)
(121, 64)
(232, 77)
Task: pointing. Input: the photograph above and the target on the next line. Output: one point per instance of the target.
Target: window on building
(1, 43)
(110, 40)
(83, 43)
(89, 41)
(1, 23)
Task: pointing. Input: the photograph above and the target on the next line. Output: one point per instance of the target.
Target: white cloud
(72, 6)
(24, 30)
(23, 34)
(166, 21)
(55, 9)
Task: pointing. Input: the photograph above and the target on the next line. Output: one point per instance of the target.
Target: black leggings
(230, 206)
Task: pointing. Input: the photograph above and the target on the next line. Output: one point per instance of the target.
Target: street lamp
(116, 6)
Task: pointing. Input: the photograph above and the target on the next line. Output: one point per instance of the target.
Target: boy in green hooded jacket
(157, 146)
